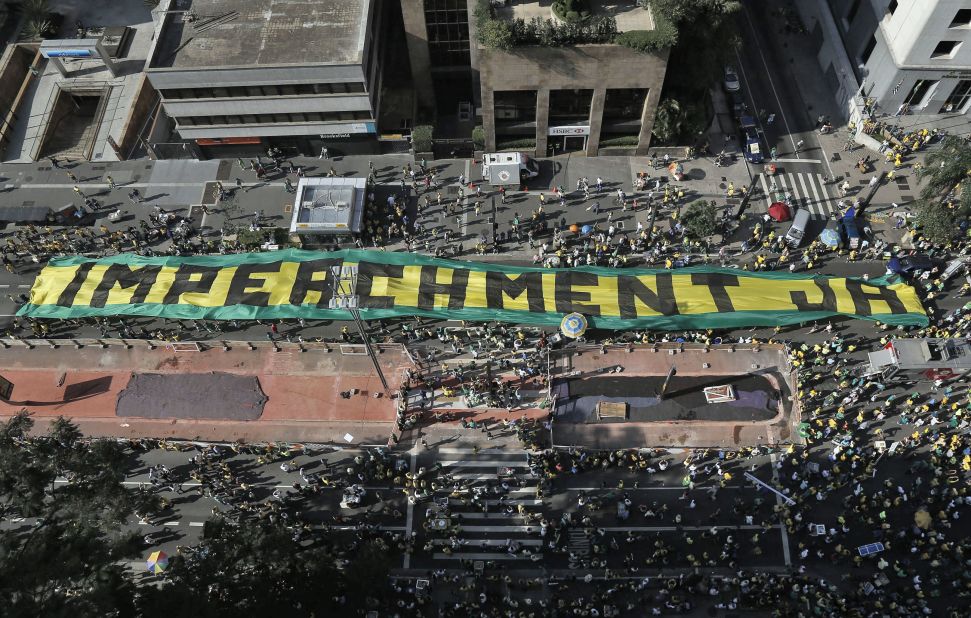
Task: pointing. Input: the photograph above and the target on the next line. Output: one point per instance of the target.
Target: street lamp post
(344, 281)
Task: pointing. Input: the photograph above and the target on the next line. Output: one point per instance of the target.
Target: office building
(910, 56)
(547, 100)
(240, 77)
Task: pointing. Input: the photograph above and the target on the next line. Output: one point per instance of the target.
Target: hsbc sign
(571, 130)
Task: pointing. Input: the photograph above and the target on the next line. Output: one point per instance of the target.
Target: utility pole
(344, 282)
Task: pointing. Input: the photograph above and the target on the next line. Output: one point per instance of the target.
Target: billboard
(293, 283)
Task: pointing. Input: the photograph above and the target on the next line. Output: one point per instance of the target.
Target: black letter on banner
(183, 284)
(122, 275)
(662, 301)
(498, 285)
(567, 300)
(455, 290)
(717, 282)
(241, 281)
(66, 299)
(801, 300)
(304, 282)
(366, 272)
(861, 299)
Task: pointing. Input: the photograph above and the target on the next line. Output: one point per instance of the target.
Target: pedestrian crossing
(482, 523)
(806, 190)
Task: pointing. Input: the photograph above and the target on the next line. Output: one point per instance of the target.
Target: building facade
(239, 78)
(543, 100)
(909, 56)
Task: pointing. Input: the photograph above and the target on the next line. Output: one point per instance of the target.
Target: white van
(798, 228)
(508, 168)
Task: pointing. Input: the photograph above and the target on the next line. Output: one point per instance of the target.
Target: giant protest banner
(291, 283)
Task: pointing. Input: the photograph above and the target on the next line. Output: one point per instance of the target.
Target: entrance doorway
(566, 143)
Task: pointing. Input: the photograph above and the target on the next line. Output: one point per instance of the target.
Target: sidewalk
(304, 391)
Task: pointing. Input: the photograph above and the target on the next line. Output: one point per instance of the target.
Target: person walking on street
(55, 163)
(325, 154)
(799, 146)
(80, 193)
(72, 176)
(111, 182)
(287, 185)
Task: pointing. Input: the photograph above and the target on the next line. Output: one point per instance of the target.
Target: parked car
(754, 153)
(910, 265)
(731, 80)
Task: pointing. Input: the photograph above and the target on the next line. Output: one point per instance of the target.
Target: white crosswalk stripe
(489, 528)
(804, 189)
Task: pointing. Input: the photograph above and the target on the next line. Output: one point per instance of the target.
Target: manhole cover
(287, 208)
(696, 174)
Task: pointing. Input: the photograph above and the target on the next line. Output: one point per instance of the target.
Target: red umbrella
(780, 212)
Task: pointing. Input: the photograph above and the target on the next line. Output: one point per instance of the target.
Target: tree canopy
(945, 195)
(65, 559)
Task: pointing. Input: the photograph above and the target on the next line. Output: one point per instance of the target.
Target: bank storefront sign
(292, 283)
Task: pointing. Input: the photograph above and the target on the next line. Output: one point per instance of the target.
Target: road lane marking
(797, 161)
(768, 75)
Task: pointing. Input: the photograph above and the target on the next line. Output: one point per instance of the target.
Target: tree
(250, 568)
(946, 194)
(66, 562)
(668, 120)
(700, 220)
(706, 41)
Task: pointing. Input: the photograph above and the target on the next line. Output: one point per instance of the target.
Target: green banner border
(243, 312)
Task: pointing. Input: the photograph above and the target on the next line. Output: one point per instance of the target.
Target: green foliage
(35, 29)
(937, 222)
(647, 41)
(478, 137)
(705, 42)
(700, 220)
(495, 33)
(523, 143)
(946, 193)
(35, 9)
(421, 138)
(67, 562)
(679, 121)
(501, 34)
(548, 33)
(622, 140)
(571, 10)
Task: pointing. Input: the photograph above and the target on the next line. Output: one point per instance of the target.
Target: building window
(624, 104)
(917, 94)
(851, 14)
(945, 50)
(962, 19)
(892, 7)
(868, 49)
(958, 100)
(570, 106)
(447, 24)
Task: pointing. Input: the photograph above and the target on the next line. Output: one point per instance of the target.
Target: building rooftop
(628, 14)
(326, 204)
(206, 33)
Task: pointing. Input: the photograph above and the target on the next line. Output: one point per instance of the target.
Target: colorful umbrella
(573, 325)
(780, 212)
(586, 229)
(830, 237)
(157, 562)
(575, 228)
